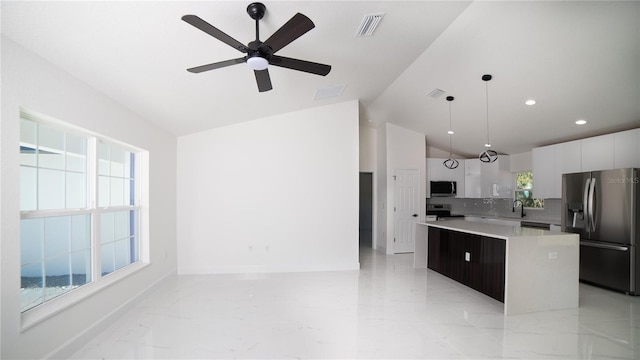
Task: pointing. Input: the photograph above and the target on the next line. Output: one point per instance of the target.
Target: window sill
(40, 313)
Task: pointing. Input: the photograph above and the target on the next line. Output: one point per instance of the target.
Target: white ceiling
(578, 59)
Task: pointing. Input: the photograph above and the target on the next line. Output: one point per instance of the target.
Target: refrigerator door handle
(592, 205)
(603, 246)
(585, 204)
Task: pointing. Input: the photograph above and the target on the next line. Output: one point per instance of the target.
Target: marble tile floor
(388, 309)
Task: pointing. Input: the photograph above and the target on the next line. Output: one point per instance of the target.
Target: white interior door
(406, 211)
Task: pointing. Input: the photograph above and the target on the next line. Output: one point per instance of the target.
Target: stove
(441, 211)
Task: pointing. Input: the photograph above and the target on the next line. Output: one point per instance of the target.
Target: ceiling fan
(261, 54)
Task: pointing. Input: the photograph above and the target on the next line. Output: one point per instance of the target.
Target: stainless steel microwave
(443, 188)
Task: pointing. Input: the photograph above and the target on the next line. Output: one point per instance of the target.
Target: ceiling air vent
(436, 93)
(329, 92)
(369, 24)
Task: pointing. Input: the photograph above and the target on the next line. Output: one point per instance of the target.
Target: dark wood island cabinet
(473, 260)
(525, 269)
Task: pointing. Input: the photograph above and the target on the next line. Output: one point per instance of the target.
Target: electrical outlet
(553, 255)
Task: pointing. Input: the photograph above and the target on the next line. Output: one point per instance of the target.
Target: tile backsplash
(500, 208)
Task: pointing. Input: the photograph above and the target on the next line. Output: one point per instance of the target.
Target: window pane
(80, 232)
(50, 189)
(122, 253)
(103, 159)
(31, 286)
(81, 268)
(58, 276)
(31, 240)
(50, 148)
(107, 256)
(122, 228)
(76, 153)
(56, 236)
(104, 194)
(28, 188)
(106, 228)
(117, 192)
(76, 191)
(117, 162)
(28, 142)
(524, 180)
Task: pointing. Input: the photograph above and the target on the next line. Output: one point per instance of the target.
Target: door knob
(415, 215)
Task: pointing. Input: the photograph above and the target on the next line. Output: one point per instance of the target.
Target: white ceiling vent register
(329, 92)
(436, 93)
(369, 24)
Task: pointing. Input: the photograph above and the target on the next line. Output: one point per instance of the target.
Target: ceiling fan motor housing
(256, 10)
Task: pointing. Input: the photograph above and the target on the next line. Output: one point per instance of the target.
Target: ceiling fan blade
(297, 26)
(216, 65)
(300, 65)
(215, 32)
(263, 80)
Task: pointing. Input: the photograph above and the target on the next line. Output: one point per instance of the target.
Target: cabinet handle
(415, 215)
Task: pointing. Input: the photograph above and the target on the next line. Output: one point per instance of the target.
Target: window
(79, 208)
(524, 191)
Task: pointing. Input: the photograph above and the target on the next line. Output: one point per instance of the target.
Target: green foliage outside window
(524, 190)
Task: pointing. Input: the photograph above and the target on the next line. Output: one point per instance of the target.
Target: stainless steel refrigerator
(602, 206)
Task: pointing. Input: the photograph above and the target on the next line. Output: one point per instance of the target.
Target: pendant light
(450, 163)
(488, 156)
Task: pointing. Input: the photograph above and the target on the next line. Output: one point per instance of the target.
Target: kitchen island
(527, 269)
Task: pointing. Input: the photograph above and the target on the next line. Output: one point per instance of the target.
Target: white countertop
(491, 230)
(541, 221)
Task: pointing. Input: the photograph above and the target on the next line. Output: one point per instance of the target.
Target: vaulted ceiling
(577, 59)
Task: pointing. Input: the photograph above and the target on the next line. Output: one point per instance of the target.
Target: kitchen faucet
(513, 209)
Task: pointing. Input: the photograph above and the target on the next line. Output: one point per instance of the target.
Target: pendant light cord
(450, 129)
(486, 83)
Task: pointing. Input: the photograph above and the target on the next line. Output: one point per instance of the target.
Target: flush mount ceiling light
(581, 122)
(450, 163)
(530, 102)
(487, 156)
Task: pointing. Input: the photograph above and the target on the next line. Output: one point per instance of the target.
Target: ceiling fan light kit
(450, 163)
(487, 156)
(262, 54)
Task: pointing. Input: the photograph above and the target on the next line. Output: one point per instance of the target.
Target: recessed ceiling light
(530, 102)
(450, 132)
(581, 122)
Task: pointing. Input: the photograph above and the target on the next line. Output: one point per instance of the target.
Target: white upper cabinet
(496, 179)
(488, 180)
(598, 153)
(546, 176)
(627, 149)
(472, 184)
(436, 171)
(569, 157)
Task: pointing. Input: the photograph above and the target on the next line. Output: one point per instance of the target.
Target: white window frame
(48, 308)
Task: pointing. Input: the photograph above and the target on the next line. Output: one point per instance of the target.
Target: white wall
(29, 81)
(434, 152)
(405, 149)
(381, 190)
(367, 149)
(275, 194)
